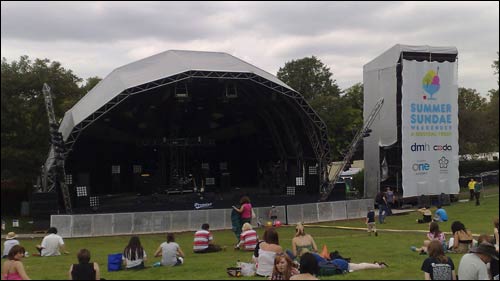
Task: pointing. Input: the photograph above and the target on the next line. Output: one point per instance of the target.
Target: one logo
(421, 167)
(431, 83)
(443, 163)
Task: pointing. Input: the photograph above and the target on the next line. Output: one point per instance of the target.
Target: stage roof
(152, 68)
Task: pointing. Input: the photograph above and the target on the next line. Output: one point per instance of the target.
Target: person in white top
(495, 233)
(267, 252)
(10, 242)
(134, 255)
(52, 244)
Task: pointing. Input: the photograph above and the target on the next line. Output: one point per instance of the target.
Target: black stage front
(158, 145)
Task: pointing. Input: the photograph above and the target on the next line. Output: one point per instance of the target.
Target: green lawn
(393, 248)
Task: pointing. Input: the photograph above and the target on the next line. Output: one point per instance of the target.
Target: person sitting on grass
(204, 241)
(284, 268)
(438, 266)
(462, 238)
(440, 215)
(170, 252)
(84, 270)
(13, 268)
(433, 234)
(51, 244)
(134, 255)
(302, 243)
(248, 238)
(267, 252)
(10, 241)
(426, 215)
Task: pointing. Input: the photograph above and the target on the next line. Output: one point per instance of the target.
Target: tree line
(24, 123)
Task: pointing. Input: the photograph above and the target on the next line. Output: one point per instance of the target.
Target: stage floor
(126, 202)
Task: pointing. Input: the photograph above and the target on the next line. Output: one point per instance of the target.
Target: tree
(472, 128)
(310, 77)
(24, 128)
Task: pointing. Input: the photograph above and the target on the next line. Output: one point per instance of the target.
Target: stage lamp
(367, 133)
(181, 90)
(299, 181)
(81, 191)
(231, 91)
(94, 202)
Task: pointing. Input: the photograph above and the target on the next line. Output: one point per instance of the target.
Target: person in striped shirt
(204, 241)
(248, 238)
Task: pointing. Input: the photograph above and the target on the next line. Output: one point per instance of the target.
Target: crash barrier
(90, 225)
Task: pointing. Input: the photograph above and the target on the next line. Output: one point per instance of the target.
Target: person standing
(472, 184)
(370, 222)
(10, 241)
(245, 210)
(382, 206)
(389, 195)
(477, 191)
(473, 265)
(236, 224)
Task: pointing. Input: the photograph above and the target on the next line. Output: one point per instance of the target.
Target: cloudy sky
(93, 38)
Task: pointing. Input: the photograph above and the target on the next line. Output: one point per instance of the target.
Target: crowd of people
(271, 260)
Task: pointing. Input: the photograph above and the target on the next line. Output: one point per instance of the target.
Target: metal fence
(90, 225)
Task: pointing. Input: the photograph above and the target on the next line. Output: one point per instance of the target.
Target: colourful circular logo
(430, 83)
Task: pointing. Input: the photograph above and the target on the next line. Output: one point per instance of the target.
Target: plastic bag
(247, 269)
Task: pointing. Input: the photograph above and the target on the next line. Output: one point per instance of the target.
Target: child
(370, 222)
(283, 267)
(433, 234)
(273, 214)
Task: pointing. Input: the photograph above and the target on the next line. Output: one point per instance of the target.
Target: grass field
(391, 247)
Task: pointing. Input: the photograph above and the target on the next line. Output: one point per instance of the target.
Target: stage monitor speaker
(424, 201)
(445, 199)
(338, 193)
(225, 182)
(44, 204)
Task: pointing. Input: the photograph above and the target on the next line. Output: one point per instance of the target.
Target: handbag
(114, 262)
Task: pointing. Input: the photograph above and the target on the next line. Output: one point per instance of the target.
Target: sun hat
(10, 235)
(485, 249)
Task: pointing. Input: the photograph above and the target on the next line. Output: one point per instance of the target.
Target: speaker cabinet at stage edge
(43, 204)
(338, 193)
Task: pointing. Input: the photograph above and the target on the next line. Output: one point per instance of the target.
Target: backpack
(329, 268)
